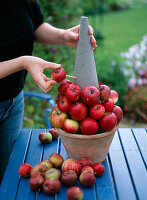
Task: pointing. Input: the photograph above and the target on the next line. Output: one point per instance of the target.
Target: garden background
(120, 28)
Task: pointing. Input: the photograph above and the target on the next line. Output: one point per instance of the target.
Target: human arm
(47, 34)
(34, 65)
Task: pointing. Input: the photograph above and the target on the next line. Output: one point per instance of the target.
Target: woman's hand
(35, 66)
(71, 36)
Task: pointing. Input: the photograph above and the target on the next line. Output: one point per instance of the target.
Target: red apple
(90, 95)
(87, 169)
(104, 92)
(38, 169)
(47, 164)
(58, 75)
(45, 137)
(51, 186)
(73, 92)
(56, 159)
(87, 179)
(72, 164)
(118, 112)
(114, 96)
(69, 178)
(25, 170)
(89, 126)
(70, 126)
(78, 111)
(52, 173)
(108, 121)
(109, 104)
(97, 111)
(57, 117)
(85, 161)
(54, 133)
(59, 96)
(74, 193)
(36, 183)
(64, 104)
(63, 86)
(99, 169)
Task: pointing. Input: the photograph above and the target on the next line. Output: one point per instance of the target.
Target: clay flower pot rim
(88, 137)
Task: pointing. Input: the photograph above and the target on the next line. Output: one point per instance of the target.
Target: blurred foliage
(61, 14)
(110, 73)
(110, 32)
(135, 106)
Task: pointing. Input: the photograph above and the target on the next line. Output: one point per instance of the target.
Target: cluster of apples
(49, 174)
(87, 111)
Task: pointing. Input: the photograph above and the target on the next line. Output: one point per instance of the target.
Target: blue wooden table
(125, 174)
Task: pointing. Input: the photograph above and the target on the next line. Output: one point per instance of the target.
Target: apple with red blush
(97, 111)
(87, 169)
(78, 111)
(25, 170)
(87, 179)
(38, 169)
(73, 92)
(118, 112)
(109, 104)
(114, 96)
(105, 92)
(57, 117)
(58, 75)
(70, 126)
(52, 173)
(89, 126)
(99, 169)
(74, 193)
(36, 183)
(90, 95)
(63, 86)
(72, 164)
(45, 137)
(59, 96)
(51, 186)
(64, 104)
(56, 160)
(69, 178)
(85, 161)
(55, 133)
(47, 164)
(108, 121)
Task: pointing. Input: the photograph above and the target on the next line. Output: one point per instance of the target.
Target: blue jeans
(11, 117)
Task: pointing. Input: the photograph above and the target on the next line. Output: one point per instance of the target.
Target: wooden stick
(70, 76)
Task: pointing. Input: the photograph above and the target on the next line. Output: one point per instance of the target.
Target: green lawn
(121, 30)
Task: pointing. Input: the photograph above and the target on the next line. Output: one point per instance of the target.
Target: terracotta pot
(95, 147)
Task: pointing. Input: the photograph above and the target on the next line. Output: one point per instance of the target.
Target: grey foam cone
(85, 70)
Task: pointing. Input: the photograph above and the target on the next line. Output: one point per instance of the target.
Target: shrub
(135, 69)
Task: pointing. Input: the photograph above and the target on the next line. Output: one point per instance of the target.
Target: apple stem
(71, 76)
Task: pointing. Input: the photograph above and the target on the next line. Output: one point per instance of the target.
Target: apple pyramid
(85, 69)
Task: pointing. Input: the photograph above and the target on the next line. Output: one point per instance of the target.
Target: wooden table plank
(62, 193)
(104, 184)
(48, 150)
(135, 163)
(140, 135)
(33, 157)
(122, 179)
(127, 158)
(11, 178)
